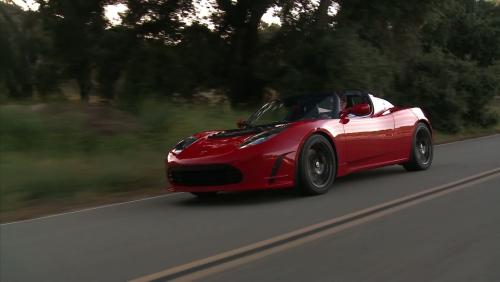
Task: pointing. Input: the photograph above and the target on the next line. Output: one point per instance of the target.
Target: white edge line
(176, 193)
(92, 208)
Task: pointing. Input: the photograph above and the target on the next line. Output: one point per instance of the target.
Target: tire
(317, 166)
(204, 195)
(422, 149)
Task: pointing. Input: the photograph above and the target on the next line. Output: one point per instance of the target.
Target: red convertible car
(303, 142)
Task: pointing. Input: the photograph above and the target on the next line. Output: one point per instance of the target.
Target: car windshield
(294, 109)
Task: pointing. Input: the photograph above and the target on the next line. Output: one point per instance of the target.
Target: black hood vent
(235, 132)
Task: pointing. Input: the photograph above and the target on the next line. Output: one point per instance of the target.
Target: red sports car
(303, 142)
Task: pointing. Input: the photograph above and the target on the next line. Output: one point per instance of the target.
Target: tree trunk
(244, 45)
(84, 81)
(322, 13)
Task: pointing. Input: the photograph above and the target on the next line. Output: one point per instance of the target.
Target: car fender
(317, 130)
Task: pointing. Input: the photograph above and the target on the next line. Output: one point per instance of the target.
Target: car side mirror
(241, 123)
(361, 109)
(344, 113)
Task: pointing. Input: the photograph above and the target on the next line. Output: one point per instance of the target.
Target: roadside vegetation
(60, 155)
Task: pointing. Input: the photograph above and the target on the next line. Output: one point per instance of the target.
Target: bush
(65, 152)
(453, 92)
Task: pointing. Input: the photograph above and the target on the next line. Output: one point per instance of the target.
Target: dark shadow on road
(241, 198)
(273, 196)
(371, 175)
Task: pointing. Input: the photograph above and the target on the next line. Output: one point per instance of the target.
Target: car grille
(204, 175)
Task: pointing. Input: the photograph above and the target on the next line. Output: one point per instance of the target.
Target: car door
(369, 140)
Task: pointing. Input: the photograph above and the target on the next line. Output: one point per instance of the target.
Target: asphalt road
(453, 237)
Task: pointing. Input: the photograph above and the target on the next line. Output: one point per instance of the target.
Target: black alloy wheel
(422, 149)
(316, 167)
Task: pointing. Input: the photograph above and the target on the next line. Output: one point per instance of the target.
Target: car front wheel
(316, 167)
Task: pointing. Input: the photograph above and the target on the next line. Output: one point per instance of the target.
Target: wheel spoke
(423, 147)
(319, 165)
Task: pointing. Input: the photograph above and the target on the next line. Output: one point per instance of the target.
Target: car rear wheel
(204, 195)
(316, 167)
(422, 150)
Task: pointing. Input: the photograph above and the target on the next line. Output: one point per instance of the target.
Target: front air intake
(204, 175)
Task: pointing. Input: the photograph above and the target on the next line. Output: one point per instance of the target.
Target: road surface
(381, 225)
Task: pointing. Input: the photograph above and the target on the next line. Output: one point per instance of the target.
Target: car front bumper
(231, 172)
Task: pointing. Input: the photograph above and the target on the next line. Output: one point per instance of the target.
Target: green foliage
(335, 60)
(157, 19)
(454, 92)
(430, 81)
(442, 53)
(69, 153)
(468, 29)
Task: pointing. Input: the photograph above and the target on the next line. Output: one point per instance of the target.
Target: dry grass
(57, 156)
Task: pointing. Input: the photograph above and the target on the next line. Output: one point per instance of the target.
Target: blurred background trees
(442, 55)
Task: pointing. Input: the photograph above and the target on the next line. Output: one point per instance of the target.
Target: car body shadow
(371, 174)
(273, 196)
(241, 198)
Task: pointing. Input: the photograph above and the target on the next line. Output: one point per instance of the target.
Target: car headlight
(261, 137)
(184, 144)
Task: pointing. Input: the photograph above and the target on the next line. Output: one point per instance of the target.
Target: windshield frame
(250, 122)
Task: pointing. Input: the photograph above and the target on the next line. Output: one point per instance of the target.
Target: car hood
(215, 143)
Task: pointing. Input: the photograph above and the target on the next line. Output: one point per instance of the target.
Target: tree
(111, 56)
(161, 19)
(468, 29)
(455, 93)
(238, 21)
(76, 26)
(15, 71)
(26, 66)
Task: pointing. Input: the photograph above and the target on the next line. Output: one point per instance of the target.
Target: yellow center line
(214, 264)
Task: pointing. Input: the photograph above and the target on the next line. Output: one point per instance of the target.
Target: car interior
(354, 97)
